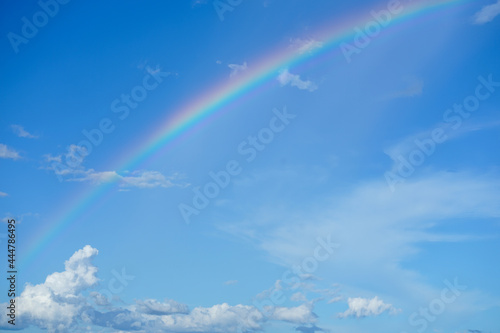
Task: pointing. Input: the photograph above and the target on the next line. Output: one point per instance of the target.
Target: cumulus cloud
(66, 302)
(22, 133)
(299, 315)
(364, 307)
(55, 304)
(6, 152)
(235, 68)
(99, 298)
(487, 13)
(285, 78)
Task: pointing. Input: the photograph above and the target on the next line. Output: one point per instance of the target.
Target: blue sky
(357, 192)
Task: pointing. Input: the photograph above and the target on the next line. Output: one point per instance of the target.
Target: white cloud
(298, 297)
(61, 304)
(147, 179)
(74, 171)
(153, 307)
(235, 68)
(406, 145)
(99, 298)
(49, 158)
(3, 194)
(230, 282)
(364, 307)
(487, 13)
(335, 299)
(6, 152)
(298, 315)
(137, 179)
(285, 78)
(22, 133)
(377, 230)
(305, 45)
(56, 303)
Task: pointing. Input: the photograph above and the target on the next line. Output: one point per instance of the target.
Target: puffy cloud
(63, 304)
(299, 315)
(55, 304)
(285, 78)
(364, 307)
(99, 298)
(487, 13)
(6, 152)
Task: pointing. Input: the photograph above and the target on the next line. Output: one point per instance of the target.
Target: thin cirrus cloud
(62, 304)
(22, 133)
(294, 80)
(395, 231)
(305, 45)
(414, 88)
(487, 13)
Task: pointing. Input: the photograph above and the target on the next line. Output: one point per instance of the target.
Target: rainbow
(215, 100)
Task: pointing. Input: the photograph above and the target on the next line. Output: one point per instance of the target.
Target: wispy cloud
(235, 68)
(285, 78)
(3, 194)
(22, 133)
(195, 3)
(376, 229)
(6, 152)
(414, 88)
(487, 13)
(305, 45)
(126, 180)
(137, 179)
